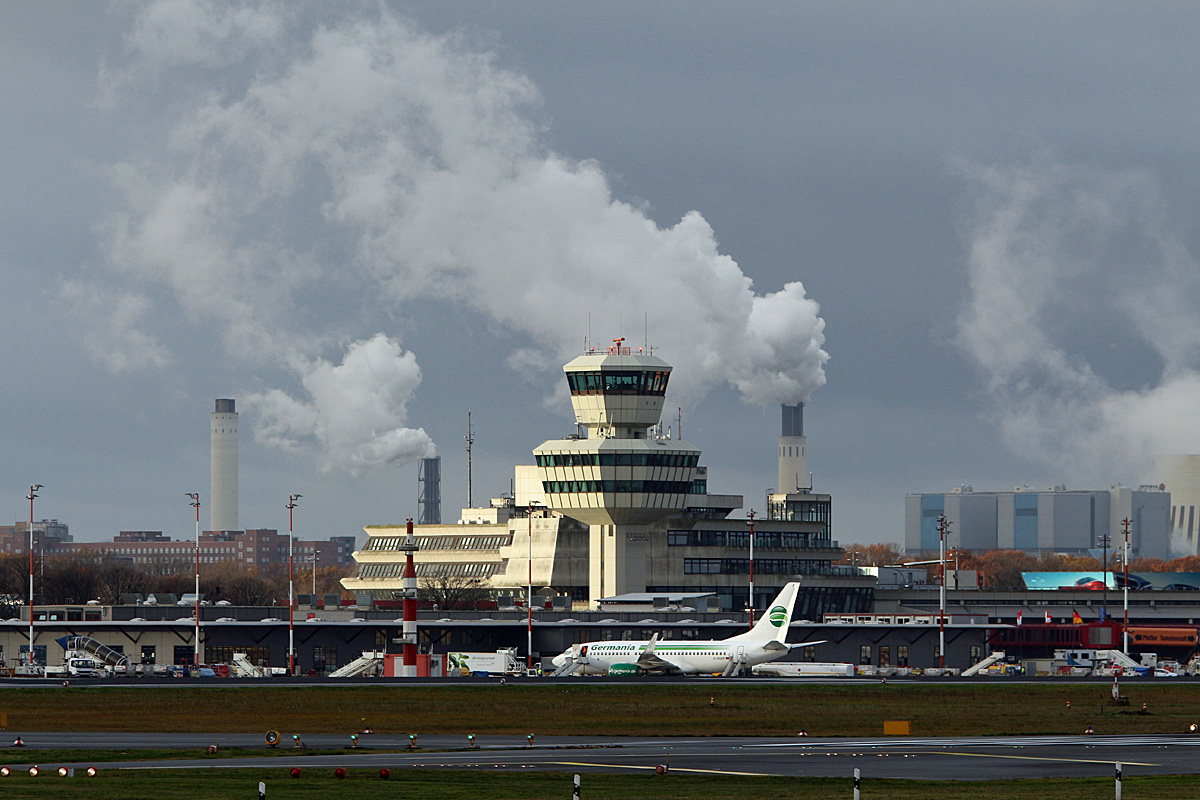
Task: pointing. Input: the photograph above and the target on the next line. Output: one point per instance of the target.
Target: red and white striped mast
(409, 629)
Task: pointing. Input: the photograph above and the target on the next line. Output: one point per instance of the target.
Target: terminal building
(619, 509)
(1055, 520)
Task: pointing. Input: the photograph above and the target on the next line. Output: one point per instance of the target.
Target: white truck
(501, 662)
(77, 666)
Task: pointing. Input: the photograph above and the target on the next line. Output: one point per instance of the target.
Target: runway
(979, 758)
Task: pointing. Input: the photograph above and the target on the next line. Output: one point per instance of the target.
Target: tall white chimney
(223, 503)
(793, 466)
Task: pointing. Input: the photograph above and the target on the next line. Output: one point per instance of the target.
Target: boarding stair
(995, 658)
(101, 652)
(368, 662)
(244, 669)
(574, 662)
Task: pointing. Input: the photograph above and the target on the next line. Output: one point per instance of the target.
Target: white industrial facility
(1180, 476)
(1054, 520)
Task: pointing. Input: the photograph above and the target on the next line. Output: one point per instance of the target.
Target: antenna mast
(470, 441)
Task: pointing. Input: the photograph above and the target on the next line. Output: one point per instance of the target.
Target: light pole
(529, 598)
(943, 528)
(1125, 626)
(195, 497)
(292, 498)
(33, 488)
(752, 568)
(314, 576)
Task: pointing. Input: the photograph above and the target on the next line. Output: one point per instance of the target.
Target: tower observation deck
(618, 479)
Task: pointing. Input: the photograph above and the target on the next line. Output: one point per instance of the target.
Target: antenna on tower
(470, 440)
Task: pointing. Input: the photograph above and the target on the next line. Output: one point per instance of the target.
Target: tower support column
(617, 560)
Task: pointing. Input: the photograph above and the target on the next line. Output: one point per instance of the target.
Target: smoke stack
(429, 491)
(223, 503)
(793, 465)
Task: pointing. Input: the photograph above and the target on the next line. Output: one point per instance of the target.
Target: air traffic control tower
(617, 479)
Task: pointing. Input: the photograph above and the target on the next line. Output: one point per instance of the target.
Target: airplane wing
(650, 660)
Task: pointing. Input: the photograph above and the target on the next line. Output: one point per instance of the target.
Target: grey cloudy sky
(365, 220)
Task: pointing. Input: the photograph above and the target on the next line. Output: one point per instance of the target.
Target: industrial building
(1180, 476)
(1055, 520)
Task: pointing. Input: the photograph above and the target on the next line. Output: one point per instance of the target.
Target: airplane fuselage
(695, 657)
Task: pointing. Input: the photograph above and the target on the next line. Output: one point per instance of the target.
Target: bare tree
(452, 592)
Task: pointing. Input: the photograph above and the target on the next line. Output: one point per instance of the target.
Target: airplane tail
(773, 624)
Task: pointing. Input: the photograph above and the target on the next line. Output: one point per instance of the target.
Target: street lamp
(1125, 625)
(33, 488)
(943, 529)
(752, 568)
(195, 497)
(292, 498)
(529, 599)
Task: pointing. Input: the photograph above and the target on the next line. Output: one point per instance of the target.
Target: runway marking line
(1034, 758)
(673, 769)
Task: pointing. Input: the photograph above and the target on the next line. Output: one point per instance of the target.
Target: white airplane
(762, 643)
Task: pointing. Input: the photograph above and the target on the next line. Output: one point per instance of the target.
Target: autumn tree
(881, 554)
(1002, 568)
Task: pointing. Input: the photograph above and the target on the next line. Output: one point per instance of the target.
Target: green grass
(238, 784)
(611, 710)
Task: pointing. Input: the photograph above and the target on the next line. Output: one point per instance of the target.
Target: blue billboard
(1097, 580)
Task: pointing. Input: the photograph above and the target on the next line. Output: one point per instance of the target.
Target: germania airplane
(762, 643)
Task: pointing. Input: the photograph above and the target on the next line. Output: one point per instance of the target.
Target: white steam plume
(363, 158)
(1066, 262)
(357, 412)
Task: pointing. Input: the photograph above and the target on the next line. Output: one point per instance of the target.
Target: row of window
(445, 542)
(617, 487)
(639, 459)
(642, 382)
(769, 540)
(800, 511)
(464, 570)
(762, 566)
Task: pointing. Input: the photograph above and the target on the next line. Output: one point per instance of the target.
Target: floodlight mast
(292, 498)
(943, 529)
(751, 569)
(33, 489)
(195, 496)
(1125, 626)
(529, 599)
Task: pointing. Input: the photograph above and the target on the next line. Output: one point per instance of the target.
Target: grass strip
(635, 710)
(231, 784)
